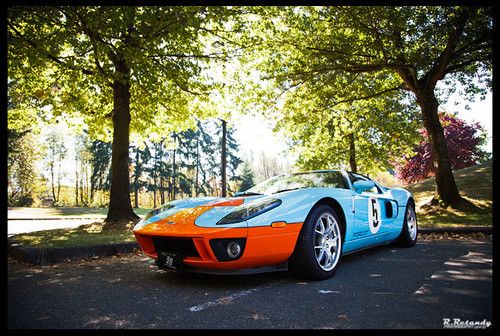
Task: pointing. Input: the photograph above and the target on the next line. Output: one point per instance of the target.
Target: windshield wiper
(283, 190)
(251, 193)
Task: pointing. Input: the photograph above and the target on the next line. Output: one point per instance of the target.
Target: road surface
(384, 287)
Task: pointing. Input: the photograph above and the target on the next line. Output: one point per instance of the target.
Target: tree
(100, 155)
(23, 176)
(141, 160)
(247, 177)
(407, 48)
(223, 158)
(464, 143)
(114, 66)
(88, 167)
(364, 135)
(209, 167)
(56, 152)
(233, 160)
(22, 151)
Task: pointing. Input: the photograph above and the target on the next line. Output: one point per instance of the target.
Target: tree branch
(51, 57)
(438, 70)
(350, 100)
(337, 52)
(459, 66)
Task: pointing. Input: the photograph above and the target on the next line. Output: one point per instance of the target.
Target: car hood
(200, 211)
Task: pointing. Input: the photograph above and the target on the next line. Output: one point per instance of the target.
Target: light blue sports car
(304, 222)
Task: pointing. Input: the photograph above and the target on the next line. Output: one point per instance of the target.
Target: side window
(355, 177)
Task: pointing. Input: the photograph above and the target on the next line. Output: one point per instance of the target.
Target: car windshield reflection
(286, 182)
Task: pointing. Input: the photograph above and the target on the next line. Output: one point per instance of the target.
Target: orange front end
(203, 248)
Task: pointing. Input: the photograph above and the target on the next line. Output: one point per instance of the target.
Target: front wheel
(319, 246)
(409, 233)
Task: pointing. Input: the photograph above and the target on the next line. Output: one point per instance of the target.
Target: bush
(22, 201)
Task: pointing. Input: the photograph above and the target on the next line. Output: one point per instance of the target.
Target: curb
(54, 255)
(463, 230)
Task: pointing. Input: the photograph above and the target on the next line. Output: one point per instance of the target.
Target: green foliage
(23, 152)
(100, 152)
(382, 128)
(23, 179)
(337, 70)
(66, 58)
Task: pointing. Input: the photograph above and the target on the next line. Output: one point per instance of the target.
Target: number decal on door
(374, 215)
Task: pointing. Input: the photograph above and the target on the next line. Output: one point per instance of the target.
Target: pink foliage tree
(464, 145)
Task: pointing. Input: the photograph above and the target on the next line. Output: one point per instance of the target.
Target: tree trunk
(120, 207)
(446, 187)
(92, 191)
(352, 153)
(162, 190)
(197, 167)
(52, 182)
(136, 179)
(87, 186)
(223, 159)
(76, 180)
(82, 201)
(160, 172)
(59, 181)
(174, 171)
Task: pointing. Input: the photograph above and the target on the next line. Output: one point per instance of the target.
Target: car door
(373, 211)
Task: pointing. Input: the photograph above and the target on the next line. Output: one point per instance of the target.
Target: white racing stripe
(229, 299)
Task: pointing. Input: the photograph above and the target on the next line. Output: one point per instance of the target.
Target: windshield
(326, 179)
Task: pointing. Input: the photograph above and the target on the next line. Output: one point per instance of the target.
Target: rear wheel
(409, 233)
(318, 249)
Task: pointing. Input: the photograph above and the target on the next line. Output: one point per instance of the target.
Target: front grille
(183, 246)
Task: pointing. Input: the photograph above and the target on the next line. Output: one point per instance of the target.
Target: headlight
(244, 212)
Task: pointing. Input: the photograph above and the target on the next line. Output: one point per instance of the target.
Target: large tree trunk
(223, 159)
(120, 207)
(352, 153)
(446, 187)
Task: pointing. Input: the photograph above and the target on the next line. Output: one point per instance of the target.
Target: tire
(320, 233)
(409, 232)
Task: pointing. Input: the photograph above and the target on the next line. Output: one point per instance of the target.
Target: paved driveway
(384, 287)
(15, 226)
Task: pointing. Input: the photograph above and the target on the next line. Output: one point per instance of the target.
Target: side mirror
(362, 185)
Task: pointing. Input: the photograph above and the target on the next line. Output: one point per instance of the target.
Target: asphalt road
(384, 287)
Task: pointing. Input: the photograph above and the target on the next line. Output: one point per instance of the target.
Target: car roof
(320, 171)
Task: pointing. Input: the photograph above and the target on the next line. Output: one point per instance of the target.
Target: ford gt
(304, 222)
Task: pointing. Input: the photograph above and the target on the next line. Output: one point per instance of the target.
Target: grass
(76, 212)
(84, 235)
(474, 183)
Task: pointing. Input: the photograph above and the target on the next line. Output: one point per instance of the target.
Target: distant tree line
(179, 165)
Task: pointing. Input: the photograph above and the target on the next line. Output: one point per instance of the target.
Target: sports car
(303, 222)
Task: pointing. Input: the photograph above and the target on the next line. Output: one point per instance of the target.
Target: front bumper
(264, 245)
